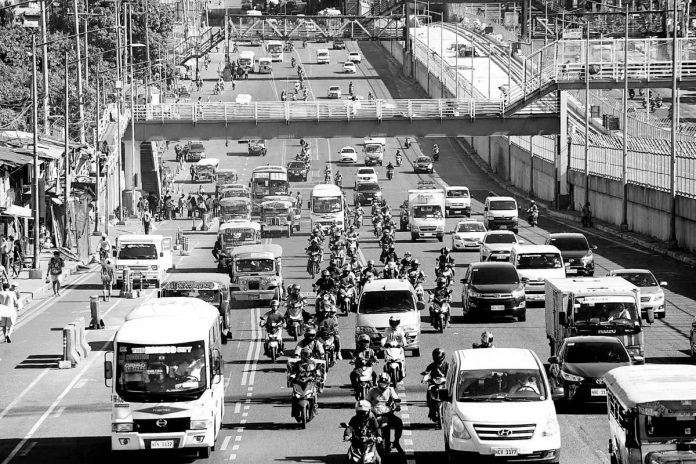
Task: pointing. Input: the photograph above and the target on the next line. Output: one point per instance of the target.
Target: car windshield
(575, 243)
(373, 148)
(254, 265)
(388, 301)
(639, 279)
(155, 373)
(591, 311)
(500, 238)
(595, 352)
(348, 151)
(539, 261)
(334, 87)
(423, 159)
(237, 235)
(502, 205)
(137, 251)
(458, 193)
(497, 275)
(427, 211)
(367, 187)
(486, 385)
(327, 204)
(196, 147)
(471, 227)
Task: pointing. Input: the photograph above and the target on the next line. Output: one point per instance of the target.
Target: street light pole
(97, 156)
(587, 115)
(624, 158)
(36, 274)
(66, 139)
(672, 241)
(44, 50)
(80, 99)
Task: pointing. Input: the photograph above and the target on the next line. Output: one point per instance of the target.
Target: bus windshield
(274, 48)
(264, 186)
(235, 208)
(427, 211)
(157, 373)
(327, 204)
(237, 235)
(605, 312)
(137, 251)
(680, 426)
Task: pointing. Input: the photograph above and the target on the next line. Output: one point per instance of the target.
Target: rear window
(470, 227)
(539, 261)
(500, 238)
(494, 275)
(365, 172)
(423, 159)
(599, 352)
(502, 205)
(575, 243)
(296, 165)
(393, 301)
(367, 187)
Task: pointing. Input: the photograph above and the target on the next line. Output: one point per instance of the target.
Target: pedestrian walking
(298, 201)
(147, 219)
(55, 271)
(193, 174)
(234, 83)
(14, 287)
(3, 253)
(7, 247)
(152, 201)
(246, 74)
(18, 258)
(108, 272)
(181, 205)
(9, 299)
(586, 215)
(193, 206)
(216, 206)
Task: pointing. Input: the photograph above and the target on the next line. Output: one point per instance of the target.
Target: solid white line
(28, 449)
(22, 393)
(225, 442)
(250, 351)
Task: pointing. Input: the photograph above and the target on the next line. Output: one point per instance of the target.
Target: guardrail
(320, 111)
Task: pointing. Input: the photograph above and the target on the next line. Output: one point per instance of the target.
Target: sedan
(651, 294)
(347, 155)
(349, 67)
(334, 91)
(366, 193)
(365, 175)
(423, 164)
(577, 372)
(354, 57)
(468, 235)
(496, 245)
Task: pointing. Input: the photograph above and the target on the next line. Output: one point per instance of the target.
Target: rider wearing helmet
(329, 327)
(486, 341)
(270, 321)
(385, 401)
(416, 274)
(391, 271)
(304, 369)
(394, 332)
(437, 370)
(310, 341)
(325, 284)
(389, 254)
(439, 295)
(406, 261)
(295, 303)
(363, 356)
(362, 427)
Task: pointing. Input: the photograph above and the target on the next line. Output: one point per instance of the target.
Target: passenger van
(265, 65)
(246, 59)
(457, 201)
(500, 213)
(148, 257)
(535, 264)
(323, 56)
(382, 299)
(497, 403)
(166, 378)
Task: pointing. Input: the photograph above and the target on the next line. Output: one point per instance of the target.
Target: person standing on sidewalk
(7, 250)
(107, 276)
(3, 253)
(18, 258)
(181, 205)
(147, 218)
(9, 299)
(14, 287)
(55, 270)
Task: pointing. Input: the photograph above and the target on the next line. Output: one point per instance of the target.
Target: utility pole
(35, 272)
(44, 53)
(97, 157)
(87, 56)
(80, 99)
(586, 67)
(624, 158)
(147, 52)
(66, 192)
(672, 241)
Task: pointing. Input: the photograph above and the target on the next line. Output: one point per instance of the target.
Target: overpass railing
(319, 111)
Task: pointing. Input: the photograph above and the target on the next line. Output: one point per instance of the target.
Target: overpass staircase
(199, 45)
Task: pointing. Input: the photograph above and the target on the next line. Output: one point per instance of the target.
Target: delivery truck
(426, 208)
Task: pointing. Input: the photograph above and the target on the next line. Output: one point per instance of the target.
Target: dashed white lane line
(250, 351)
(58, 412)
(406, 418)
(233, 457)
(225, 443)
(235, 447)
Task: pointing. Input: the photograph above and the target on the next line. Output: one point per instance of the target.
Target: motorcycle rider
(293, 62)
(436, 150)
(390, 170)
(269, 320)
(486, 341)
(338, 178)
(440, 294)
(416, 274)
(304, 369)
(295, 304)
(104, 247)
(328, 327)
(436, 370)
(533, 210)
(384, 401)
(310, 341)
(362, 427)
(217, 248)
(363, 355)
(391, 271)
(407, 261)
(326, 284)
(398, 157)
(445, 258)
(350, 88)
(394, 332)
(389, 254)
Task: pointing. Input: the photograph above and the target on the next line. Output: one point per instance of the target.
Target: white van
(382, 299)
(497, 403)
(323, 56)
(148, 257)
(246, 59)
(500, 213)
(457, 201)
(535, 264)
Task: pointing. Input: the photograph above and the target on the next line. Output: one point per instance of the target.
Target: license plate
(162, 444)
(253, 296)
(504, 451)
(497, 307)
(598, 392)
(571, 271)
(426, 234)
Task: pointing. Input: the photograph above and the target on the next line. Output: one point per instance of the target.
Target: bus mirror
(108, 370)
(562, 320)
(650, 316)
(309, 204)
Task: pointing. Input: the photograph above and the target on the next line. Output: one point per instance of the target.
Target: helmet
(408, 253)
(363, 406)
(325, 273)
(441, 281)
(103, 235)
(305, 354)
(371, 262)
(415, 263)
(394, 321)
(532, 202)
(296, 288)
(444, 250)
(392, 246)
(274, 304)
(486, 337)
(438, 354)
(352, 228)
(364, 339)
(310, 333)
(383, 380)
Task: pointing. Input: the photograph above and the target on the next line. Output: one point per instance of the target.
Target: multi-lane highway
(63, 416)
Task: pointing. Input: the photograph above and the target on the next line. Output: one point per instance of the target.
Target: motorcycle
(433, 397)
(339, 182)
(398, 160)
(390, 174)
(295, 325)
(345, 298)
(365, 375)
(357, 220)
(351, 249)
(274, 341)
(407, 142)
(447, 273)
(304, 400)
(440, 311)
(378, 229)
(327, 342)
(313, 264)
(394, 360)
(436, 155)
(532, 218)
(419, 291)
(383, 422)
(365, 452)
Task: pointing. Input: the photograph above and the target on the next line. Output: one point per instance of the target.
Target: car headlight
(154, 267)
(365, 330)
(200, 424)
(459, 429)
(518, 293)
(122, 427)
(474, 294)
(571, 377)
(587, 259)
(658, 296)
(378, 194)
(550, 427)
(414, 228)
(120, 267)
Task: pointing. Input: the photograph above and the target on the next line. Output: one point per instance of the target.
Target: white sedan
(349, 67)
(366, 175)
(347, 155)
(467, 235)
(354, 57)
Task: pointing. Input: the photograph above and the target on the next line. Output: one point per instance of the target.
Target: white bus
(275, 50)
(652, 413)
(327, 206)
(167, 378)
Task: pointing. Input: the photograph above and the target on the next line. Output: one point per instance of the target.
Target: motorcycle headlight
(550, 427)
(200, 424)
(570, 377)
(459, 429)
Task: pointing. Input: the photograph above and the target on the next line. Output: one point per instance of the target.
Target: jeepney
(276, 216)
(235, 208)
(256, 273)
(234, 233)
(225, 178)
(206, 169)
(295, 212)
(211, 291)
(235, 190)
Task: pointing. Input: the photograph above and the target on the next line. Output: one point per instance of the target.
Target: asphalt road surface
(63, 416)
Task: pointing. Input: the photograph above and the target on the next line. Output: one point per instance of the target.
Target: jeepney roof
(274, 204)
(326, 190)
(173, 306)
(239, 224)
(208, 162)
(192, 284)
(234, 200)
(279, 198)
(636, 385)
(227, 170)
(236, 186)
(167, 330)
(263, 251)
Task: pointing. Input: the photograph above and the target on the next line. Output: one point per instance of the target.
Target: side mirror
(593, 247)
(108, 370)
(663, 284)
(650, 316)
(159, 294)
(562, 319)
(638, 360)
(309, 204)
(420, 306)
(557, 393)
(554, 360)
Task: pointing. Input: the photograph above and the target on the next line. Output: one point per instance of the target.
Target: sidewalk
(650, 243)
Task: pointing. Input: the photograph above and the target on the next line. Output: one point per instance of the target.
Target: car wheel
(522, 317)
(661, 315)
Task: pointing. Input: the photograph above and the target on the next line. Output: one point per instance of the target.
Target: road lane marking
(233, 457)
(250, 351)
(28, 449)
(58, 412)
(225, 442)
(235, 447)
(237, 408)
(21, 395)
(257, 351)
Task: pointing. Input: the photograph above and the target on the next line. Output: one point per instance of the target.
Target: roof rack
(426, 184)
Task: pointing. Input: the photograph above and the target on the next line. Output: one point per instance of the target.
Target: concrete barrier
(97, 322)
(127, 286)
(184, 246)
